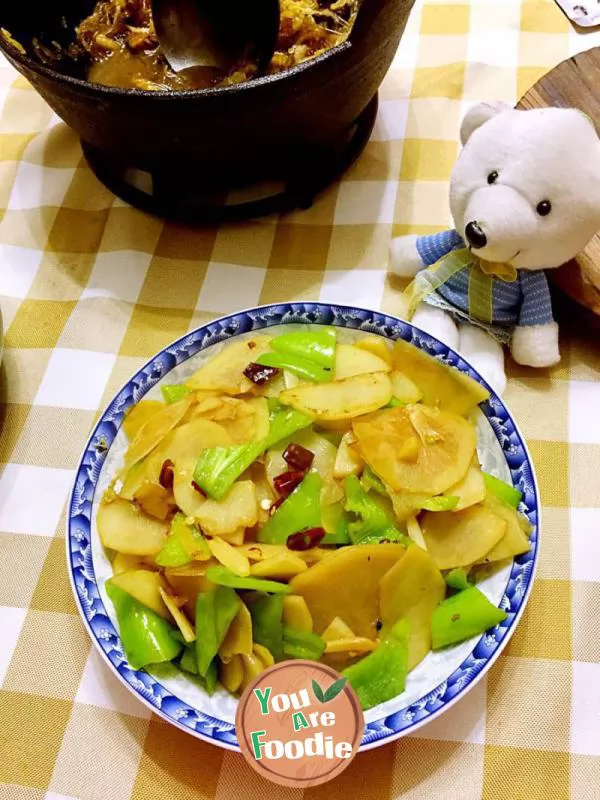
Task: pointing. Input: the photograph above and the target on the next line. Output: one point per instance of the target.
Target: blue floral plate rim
(148, 688)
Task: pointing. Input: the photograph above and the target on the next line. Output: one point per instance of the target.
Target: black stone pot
(275, 127)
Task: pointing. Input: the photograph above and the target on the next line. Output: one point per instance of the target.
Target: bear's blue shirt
(525, 301)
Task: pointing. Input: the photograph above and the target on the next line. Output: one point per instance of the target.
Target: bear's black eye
(544, 208)
(492, 177)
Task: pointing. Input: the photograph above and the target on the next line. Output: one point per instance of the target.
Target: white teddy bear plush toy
(524, 196)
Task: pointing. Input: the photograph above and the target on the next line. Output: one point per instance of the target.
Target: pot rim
(23, 59)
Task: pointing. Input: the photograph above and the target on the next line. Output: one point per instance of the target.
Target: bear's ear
(476, 116)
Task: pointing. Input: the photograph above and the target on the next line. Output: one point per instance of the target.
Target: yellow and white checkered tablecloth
(90, 288)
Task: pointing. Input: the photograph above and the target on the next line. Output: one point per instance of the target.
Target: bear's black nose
(475, 236)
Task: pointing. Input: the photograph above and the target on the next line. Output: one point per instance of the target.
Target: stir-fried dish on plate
(298, 497)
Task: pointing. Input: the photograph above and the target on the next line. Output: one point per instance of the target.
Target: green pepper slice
(466, 614)
(215, 611)
(503, 491)
(218, 468)
(317, 345)
(183, 543)
(302, 367)
(225, 577)
(457, 579)
(440, 503)
(302, 644)
(381, 675)
(147, 638)
(267, 627)
(370, 481)
(189, 664)
(371, 523)
(173, 393)
(299, 511)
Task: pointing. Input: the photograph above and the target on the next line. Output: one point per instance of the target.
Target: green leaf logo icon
(329, 694)
(334, 689)
(318, 692)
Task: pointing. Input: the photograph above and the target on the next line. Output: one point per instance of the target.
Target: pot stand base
(164, 192)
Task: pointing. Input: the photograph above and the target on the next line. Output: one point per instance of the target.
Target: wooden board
(574, 84)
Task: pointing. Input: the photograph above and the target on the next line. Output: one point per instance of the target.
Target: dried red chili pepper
(305, 540)
(259, 374)
(298, 457)
(286, 482)
(167, 475)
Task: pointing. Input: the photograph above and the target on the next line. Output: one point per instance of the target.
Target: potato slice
(411, 591)
(337, 629)
(236, 538)
(188, 581)
(244, 420)
(460, 538)
(296, 613)
(229, 556)
(135, 478)
(378, 346)
(188, 499)
(331, 493)
(257, 551)
(123, 562)
(273, 388)
(446, 445)
(154, 431)
(155, 500)
(442, 386)
(414, 531)
(265, 495)
(238, 509)
(225, 371)
(182, 622)
(351, 361)
(346, 584)
(231, 674)
(341, 400)
(203, 409)
(264, 654)
(337, 427)
(253, 666)
(404, 389)
(238, 639)
(354, 645)
(515, 541)
(470, 490)
(348, 460)
(406, 504)
(281, 567)
(290, 381)
(138, 415)
(145, 586)
(262, 424)
(124, 528)
(343, 646)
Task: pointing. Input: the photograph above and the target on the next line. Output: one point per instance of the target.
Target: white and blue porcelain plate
(438, 681)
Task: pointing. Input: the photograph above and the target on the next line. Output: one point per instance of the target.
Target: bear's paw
(536, 345)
